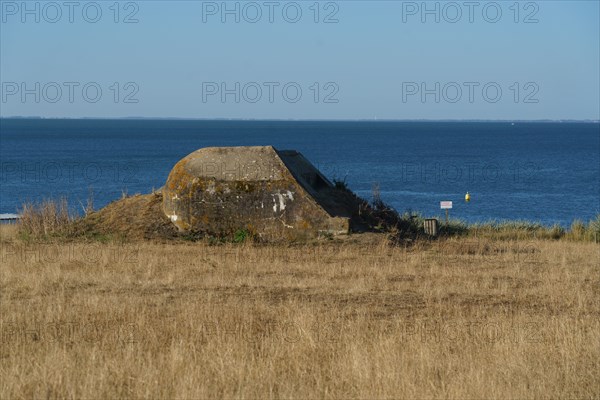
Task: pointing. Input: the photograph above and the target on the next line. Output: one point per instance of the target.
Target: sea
(544, 172)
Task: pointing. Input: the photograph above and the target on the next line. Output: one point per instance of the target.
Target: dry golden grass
(45, 218)
(355, 318)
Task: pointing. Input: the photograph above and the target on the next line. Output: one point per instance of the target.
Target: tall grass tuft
(585, 233)
(48, 218)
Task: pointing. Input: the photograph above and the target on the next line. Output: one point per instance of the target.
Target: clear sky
(303, 60)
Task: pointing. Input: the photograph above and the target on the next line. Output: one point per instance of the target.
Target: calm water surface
(546, 172)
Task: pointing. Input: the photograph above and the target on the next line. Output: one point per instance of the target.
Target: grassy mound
(135, 217)
(141, 217)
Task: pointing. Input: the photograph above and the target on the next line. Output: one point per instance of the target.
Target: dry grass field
(353, 318)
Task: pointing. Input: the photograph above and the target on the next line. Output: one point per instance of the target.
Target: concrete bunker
(272, 194)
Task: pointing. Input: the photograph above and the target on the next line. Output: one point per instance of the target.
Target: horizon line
(302, 119)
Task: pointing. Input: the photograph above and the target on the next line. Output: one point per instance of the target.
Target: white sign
(444, 205)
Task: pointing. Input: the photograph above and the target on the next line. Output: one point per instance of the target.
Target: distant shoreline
(583, 121)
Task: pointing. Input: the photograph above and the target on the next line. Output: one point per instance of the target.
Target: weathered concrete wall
(219, 191)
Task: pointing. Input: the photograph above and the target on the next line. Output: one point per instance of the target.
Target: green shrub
(241, 235)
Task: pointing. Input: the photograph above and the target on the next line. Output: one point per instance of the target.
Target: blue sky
(372, 59)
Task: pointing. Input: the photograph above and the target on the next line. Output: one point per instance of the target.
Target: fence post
(430, 226)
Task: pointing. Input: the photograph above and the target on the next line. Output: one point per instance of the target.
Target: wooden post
(430, 226)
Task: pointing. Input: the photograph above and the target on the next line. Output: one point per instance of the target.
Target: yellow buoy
(467, 197)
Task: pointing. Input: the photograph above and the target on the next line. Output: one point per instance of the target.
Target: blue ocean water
(544, 172)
